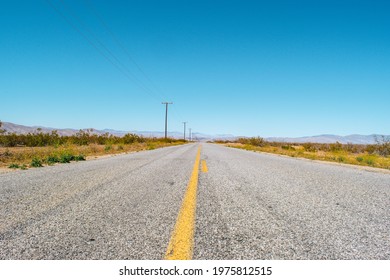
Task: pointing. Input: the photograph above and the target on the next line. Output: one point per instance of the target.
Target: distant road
(248, 206)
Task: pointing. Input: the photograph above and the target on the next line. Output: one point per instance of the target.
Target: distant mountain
(22, 129)
(328, 138)
(325, 138)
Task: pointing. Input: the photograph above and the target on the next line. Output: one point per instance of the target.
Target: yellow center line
(204, 166)
(181, 244)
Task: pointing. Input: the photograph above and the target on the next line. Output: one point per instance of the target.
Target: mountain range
(22, 129)
(325, 138)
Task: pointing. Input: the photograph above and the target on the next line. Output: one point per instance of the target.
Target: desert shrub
(370, 159)
(66, 158)
(219, 141)
(288, 147)
(150, 146)
(370, 149)
(336, 147)
(36, 162)
(341, 159)
(9, 140)
(163, 140)
(6, 154)
(2, 131)
(130, 138)
(359, 159)
(310, 147)
(383, 146)
(14, 166)
(257, 141)
(52, 159)
(81, 138)
(351, 148)
(79, 158)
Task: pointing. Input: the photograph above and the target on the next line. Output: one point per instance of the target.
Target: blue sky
(268, 68)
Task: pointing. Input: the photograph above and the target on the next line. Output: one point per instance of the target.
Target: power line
(93, 10)
(134, 77)
(120, 44)
(118, 65)
(103, 50)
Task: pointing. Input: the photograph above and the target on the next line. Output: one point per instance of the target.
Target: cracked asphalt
(249, 206)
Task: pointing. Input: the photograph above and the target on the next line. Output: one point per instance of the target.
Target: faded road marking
(182, 240)
(204, 166)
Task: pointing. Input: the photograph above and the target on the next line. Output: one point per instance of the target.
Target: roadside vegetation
(22, 151)
(375, 155)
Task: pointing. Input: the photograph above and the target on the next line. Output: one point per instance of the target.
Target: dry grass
(19, 156)
(363, 159)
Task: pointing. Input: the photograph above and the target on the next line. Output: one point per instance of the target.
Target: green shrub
(150, 146)
(66, 158)
(14, 166)
(81, 138)
(36, 162)
(340, 159)
(79, 158)
(257, 141)
(130, 138)
(288, 147)
(107, 148)
(359, 159)
(52, 160)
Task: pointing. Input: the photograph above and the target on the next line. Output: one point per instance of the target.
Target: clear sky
(268, 68)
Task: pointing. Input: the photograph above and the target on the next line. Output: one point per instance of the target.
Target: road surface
(245, 205)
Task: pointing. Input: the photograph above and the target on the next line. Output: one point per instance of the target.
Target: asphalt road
(249, 206)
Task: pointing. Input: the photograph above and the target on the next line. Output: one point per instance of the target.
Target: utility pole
(190, 135)
(184, 130)
(166, 117)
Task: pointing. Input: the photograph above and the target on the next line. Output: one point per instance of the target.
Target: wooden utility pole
(184, 130)
(166, 117)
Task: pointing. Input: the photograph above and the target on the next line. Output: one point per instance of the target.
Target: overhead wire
(107, 49)
(107, 53)
(90, 6)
